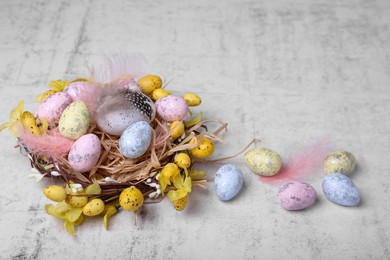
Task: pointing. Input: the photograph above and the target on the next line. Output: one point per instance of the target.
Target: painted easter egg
(172, 108)
(121, 109)
(339, 189)
(55, 193)
(135, 140)
(295, 195)
(93, 208)
(340, 161)
(85, 153)
(263, 161)
(53, 106)
(74, 121)
(228, 182)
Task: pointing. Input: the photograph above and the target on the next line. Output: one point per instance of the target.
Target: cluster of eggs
(297, 195)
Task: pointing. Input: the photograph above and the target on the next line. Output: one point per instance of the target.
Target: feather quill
(52, 145)
(303, 164)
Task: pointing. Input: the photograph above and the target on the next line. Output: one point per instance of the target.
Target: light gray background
(286, 72)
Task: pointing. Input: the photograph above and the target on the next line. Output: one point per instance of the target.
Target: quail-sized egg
(177, 129)
(149, 83)
(76, 201)
(55, 193)
(160, 93)
(120, 109)
(204, 149)
(94, 207)
(85, 153)
(172, 108)
(74, 121)
(295, 195)
(340, 161)
(131, 199)
(181, 203)
(228, 182)
(339, 189)
(263, 161)
(182, 160)
(192, 99)
(53, 106)
(135, 140)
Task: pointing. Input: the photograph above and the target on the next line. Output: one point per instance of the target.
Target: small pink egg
(295, 195)
(85, 153)
(172, 108)
(53, 106)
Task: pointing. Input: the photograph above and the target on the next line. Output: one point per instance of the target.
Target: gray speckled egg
(135, 140)
(340, 161)
(74, 121)
(228, 182)
(295, 195)
(339, 189)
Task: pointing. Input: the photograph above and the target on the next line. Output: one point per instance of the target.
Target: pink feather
(52, 145)
(303, 164)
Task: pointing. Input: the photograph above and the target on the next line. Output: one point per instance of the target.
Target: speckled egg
(228, 182)
(93, 208)
(295, 195)
(53, 106)
(172, 108)
(339, 189)
(340, 161)
(55, 193)
(85, 153)
(135, 140)
(74, 121)
(263, 161)
(117, 112)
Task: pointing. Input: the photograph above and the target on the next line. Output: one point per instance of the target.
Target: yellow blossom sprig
(14, 125)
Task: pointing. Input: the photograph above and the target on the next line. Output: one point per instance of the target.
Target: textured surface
(286, 72)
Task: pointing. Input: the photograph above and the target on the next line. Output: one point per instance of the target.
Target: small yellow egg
(340, 161)
(192, 99)
(183, 160)
(93, 208)
(45, 95)
(263, 161)
(149, 83)
(204, 149)
(170, 170)
(55, 193)
(131, 199)
(76, 201)
(27, 119)
(177, 129)
(160, 93)
(181, 204)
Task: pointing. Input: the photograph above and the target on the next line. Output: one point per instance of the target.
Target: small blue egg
(135, 140)
(228, 182)
(339, 189)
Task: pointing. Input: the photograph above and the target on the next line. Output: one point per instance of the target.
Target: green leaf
(194, 121)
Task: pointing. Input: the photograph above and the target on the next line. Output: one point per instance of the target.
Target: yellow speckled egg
(340, 161)
(149, 83)
(131, 199)
(77, 201)
(55, 193)
(192, 99)
(93, 208)
(181, 204)
(204, 149)
(74, 121)
(263, 161)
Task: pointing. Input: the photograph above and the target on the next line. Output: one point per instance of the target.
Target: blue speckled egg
(135, 140)
(228, 182)
(339, 189)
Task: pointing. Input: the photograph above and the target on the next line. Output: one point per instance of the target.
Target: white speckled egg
(340, 161)
(53, 106)
(122, 109)
(172, 108)
(339, 189)
(228, 182)
(85, 153)
(295, 195)
(135, 140)
(263, 161)
(74, 121)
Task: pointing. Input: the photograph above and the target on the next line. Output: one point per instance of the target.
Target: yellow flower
(167, 175)
(183, 186)
(14, 124)
(58, 85)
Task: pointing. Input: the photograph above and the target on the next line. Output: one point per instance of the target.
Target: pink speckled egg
(85, 153)
(53, 106)
(172, 108)
(295, 195)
